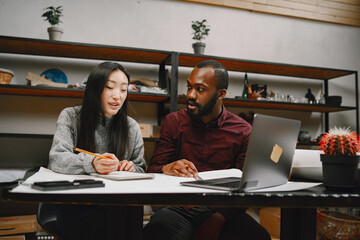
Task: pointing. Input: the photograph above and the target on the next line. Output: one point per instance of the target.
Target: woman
(100, 125)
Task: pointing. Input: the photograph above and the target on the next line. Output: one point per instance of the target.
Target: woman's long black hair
(92, 113)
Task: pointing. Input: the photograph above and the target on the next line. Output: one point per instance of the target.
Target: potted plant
(340, 160)
(52, 15)
(201, 30)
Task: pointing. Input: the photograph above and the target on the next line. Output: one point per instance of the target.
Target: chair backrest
(46, 217)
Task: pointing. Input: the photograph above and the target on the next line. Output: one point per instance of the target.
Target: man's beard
(202, 110)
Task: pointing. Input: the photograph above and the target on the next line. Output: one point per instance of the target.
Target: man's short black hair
(221, 74)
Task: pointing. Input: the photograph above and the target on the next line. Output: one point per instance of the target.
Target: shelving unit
(270, 68)
(164, 58)
(39, 47)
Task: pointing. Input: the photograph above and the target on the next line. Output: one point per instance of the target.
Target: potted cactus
(200, 31)
(340, 160)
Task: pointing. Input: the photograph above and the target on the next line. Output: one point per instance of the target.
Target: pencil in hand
(90, 153)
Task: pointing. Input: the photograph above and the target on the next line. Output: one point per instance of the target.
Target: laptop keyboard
(234, 184)
(230, 182)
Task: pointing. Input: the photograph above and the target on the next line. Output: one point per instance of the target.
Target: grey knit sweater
(62, 158)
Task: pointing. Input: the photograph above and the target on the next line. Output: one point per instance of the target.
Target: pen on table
(198, 177)
(90, 153)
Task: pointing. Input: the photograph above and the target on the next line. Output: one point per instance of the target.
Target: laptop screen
(270, 151)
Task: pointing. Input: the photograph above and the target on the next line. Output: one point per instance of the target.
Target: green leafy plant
(52, 15)
(340, 141)
(201, 30)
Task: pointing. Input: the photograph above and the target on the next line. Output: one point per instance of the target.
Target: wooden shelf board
(278, 105)
(78, 50)
(8, 89)
(190, 60)
(43, 47)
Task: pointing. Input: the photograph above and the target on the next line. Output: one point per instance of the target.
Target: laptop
(268, 158)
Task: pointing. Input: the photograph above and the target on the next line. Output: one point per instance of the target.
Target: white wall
(166, 25)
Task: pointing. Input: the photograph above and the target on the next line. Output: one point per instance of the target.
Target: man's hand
(181, 168)
(126, 165)
(210, 229)
(105, 166)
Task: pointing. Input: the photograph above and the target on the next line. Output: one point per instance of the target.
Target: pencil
(90, 153)
(198, 178)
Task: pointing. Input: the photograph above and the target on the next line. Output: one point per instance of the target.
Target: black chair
(46, 217)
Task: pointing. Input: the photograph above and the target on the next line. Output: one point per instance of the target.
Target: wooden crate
(18, 224)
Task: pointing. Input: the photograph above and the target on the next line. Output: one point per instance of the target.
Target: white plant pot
(55, 33)
(199, 47)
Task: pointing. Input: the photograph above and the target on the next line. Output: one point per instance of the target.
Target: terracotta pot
(340, 172)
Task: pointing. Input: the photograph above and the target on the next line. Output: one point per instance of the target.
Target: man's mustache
(192, 102)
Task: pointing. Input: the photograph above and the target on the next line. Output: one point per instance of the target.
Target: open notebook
(124, 175)
(268, 158)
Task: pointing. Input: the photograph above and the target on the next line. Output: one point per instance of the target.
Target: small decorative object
(36, 80)
(322, 98)
(255, 92)
(310, 96)
(337, 225)
(333, 100)
(5, 76)
(260, 89)
(340, 160)
(245, 92)
(144, 81)
(304, 137)
(52, 15)
(254, 95)
(55, 75)
(201, 30)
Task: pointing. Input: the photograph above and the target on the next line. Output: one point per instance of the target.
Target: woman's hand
(126, 165)
(106, 165)
(181, 168)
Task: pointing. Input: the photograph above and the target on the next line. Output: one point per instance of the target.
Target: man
(203, 137)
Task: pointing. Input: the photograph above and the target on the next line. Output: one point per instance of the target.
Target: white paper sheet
(290, 186)
(124, 175)
(160, 184)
